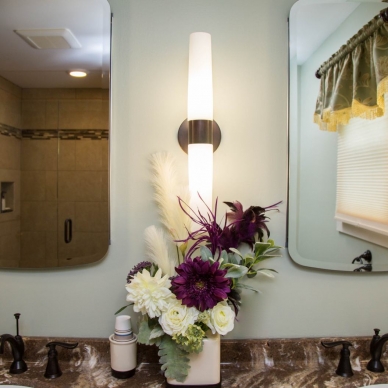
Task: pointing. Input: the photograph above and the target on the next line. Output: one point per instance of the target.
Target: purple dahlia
(200, 284)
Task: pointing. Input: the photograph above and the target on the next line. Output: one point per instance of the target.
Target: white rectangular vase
(205, 367)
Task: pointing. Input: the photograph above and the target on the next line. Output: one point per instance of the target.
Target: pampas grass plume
(159, 250)
(167, 188)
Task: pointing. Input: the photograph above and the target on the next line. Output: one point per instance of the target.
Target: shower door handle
(68, 230)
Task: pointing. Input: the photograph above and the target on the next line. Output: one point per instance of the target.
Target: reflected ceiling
(30, 68)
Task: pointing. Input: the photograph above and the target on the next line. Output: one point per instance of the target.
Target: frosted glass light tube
(201, 176)
(200, 88)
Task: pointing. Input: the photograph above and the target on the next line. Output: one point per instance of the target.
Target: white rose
(177, 318)
(222, 318)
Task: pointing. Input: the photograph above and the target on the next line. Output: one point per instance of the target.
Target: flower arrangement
(192, 281)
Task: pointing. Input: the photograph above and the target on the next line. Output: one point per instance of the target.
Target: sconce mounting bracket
(183, 135)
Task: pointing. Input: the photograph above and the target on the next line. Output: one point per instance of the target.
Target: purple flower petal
(200, 284)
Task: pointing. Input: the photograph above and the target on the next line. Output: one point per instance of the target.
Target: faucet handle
(344, 368)
(53, 370)
(17, 316)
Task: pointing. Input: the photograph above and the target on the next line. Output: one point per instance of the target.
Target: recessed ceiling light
(78, 73)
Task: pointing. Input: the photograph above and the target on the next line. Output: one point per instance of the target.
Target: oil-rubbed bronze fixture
(17, 345)
(376, 348)
(344, 367)
(53, 370)
(365, 259)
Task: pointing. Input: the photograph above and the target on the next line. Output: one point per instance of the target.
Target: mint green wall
(149, 78)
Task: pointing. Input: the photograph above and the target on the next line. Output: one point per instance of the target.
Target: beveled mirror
(317, 30)
(54, 132)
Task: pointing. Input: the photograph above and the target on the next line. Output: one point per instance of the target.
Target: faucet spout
(376, 348)
(17, 345)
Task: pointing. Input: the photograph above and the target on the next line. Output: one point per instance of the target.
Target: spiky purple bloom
(244, 225)
(138, 268)
(209, 231)
(200, 284)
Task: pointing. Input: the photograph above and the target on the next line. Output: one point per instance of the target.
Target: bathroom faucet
(17, 345)
(376, 347)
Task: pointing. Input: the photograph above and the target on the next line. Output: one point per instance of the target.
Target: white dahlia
(150, 294)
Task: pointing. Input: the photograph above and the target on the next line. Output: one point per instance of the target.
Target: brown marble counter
(275, 363)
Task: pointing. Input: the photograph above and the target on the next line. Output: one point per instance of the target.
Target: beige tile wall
(65, 109)
(10, 103)
(77, 178)
(10, 115)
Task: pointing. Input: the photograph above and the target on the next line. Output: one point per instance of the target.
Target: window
(362, 179)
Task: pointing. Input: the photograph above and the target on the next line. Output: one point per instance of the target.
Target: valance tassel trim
(355, 79)
(330, 120)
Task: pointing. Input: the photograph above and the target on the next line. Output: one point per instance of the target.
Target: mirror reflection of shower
(54, 133)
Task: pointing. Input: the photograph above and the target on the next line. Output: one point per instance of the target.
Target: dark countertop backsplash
(274, 363)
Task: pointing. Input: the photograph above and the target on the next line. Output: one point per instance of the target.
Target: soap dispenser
(123, 349)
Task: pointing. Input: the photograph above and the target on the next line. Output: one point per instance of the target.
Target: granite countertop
(296, 363)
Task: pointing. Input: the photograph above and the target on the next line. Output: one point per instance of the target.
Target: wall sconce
(199, 136)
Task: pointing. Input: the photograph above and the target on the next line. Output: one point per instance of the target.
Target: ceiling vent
(51, 38)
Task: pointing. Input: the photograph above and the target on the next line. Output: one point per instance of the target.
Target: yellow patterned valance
(354, 79)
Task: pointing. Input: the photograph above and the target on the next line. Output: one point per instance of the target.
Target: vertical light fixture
(199, 132)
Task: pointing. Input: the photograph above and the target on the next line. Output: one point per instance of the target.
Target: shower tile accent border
(7, 130)
(65, 134)
(47, 134)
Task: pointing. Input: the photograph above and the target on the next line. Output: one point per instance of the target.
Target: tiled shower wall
(64, 162)
(54, 147)
(10, 143)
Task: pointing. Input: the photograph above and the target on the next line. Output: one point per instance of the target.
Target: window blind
(362, 174)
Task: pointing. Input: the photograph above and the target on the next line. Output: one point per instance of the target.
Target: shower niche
(6, 190)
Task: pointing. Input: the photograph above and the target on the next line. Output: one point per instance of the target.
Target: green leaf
(205, 253)
(156, 333)
(267, 272)
(156, 341)
(224, 256)
(232, 259)
(261, 247)
(236, 271)
(245, 286)
(251, 274)
(144, 333)
(248, 260)
(123, 308)
(236, 251)
(265, 257)
(174, 360)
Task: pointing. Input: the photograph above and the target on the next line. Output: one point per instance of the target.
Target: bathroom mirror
(317, 30)
(54, 132)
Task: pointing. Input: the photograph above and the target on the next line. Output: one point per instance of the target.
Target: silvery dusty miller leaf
(174, 360)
